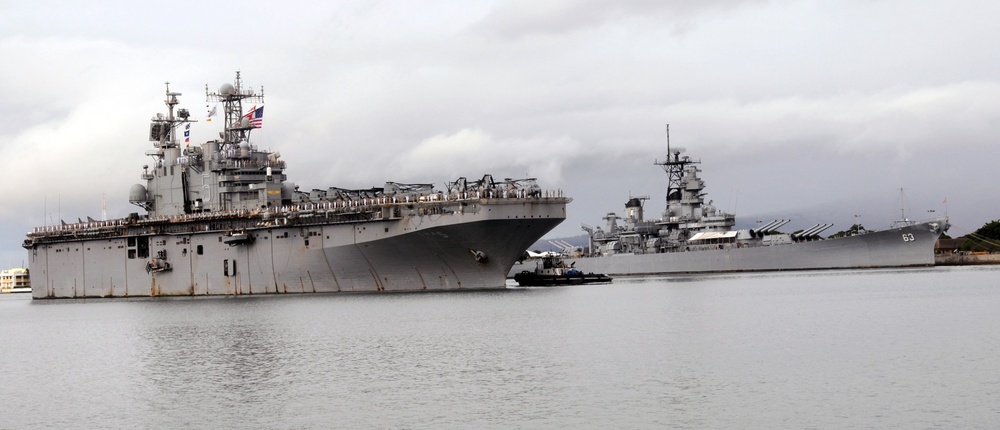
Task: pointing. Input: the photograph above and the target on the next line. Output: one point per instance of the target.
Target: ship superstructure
(221, 218)
(219, 175)
(694, 236)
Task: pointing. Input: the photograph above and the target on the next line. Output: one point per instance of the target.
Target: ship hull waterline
(294, 259)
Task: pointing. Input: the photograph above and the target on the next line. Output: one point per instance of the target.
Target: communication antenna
(104, 207)
(668, 143)
(902, 206)
(902, 211)
(674, 167)
(237, 124)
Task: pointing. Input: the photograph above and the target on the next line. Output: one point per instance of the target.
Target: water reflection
(210, 356)
(858, 349)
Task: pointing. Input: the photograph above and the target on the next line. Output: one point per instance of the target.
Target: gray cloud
(808, 108)
(525, 19)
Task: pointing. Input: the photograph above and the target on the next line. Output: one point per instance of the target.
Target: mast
(166, 153)
(237, 126)
(163, 131)
(241, 176)
(903, 221)
(674, 166)
(902, 206)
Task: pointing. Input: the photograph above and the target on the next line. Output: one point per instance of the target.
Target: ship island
(221, 218)
(693, 236)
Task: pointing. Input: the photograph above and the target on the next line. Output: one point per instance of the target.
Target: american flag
(256, 116)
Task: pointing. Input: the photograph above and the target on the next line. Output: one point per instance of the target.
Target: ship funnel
(633, 209)
(611, 218)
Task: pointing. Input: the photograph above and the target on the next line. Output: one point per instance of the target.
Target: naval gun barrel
(777, 226)
(768, 226)
(814, 230)
(821, 229)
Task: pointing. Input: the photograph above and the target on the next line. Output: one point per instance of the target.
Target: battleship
(221, 218)
(693, 236)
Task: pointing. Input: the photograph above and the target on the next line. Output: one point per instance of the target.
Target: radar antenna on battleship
(674, 165)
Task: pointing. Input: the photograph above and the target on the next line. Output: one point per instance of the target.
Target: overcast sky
(816, 110)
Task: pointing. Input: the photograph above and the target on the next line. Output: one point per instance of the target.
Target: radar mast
(162, 129)
(674, 166)
(237, 125)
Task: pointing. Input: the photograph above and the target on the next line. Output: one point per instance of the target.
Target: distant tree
(987, 238)
(855, 229)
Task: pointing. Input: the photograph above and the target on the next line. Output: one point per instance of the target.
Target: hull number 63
(908, 237)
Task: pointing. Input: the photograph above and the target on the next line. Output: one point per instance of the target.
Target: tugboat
(552, 271)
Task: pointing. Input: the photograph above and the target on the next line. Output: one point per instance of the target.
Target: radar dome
(227, 89)
(137, 193)
(245, 123)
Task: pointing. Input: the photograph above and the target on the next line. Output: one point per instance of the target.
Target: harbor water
(908, 348)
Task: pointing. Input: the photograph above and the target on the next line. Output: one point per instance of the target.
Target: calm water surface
(846, 349)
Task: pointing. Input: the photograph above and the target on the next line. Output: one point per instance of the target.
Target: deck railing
(333, 207)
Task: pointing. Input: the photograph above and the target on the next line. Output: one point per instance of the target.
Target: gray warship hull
(907, 246)
(435, 251)
(222, 219)
(693, 236)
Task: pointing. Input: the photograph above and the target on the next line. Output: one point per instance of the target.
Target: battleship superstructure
(221, 219)
(693, 236)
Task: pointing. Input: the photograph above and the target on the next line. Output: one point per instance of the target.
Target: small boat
(235, 238)
(551, 271)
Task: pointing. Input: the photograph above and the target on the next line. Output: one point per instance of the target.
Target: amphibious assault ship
(695, 237)
(221, 219)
